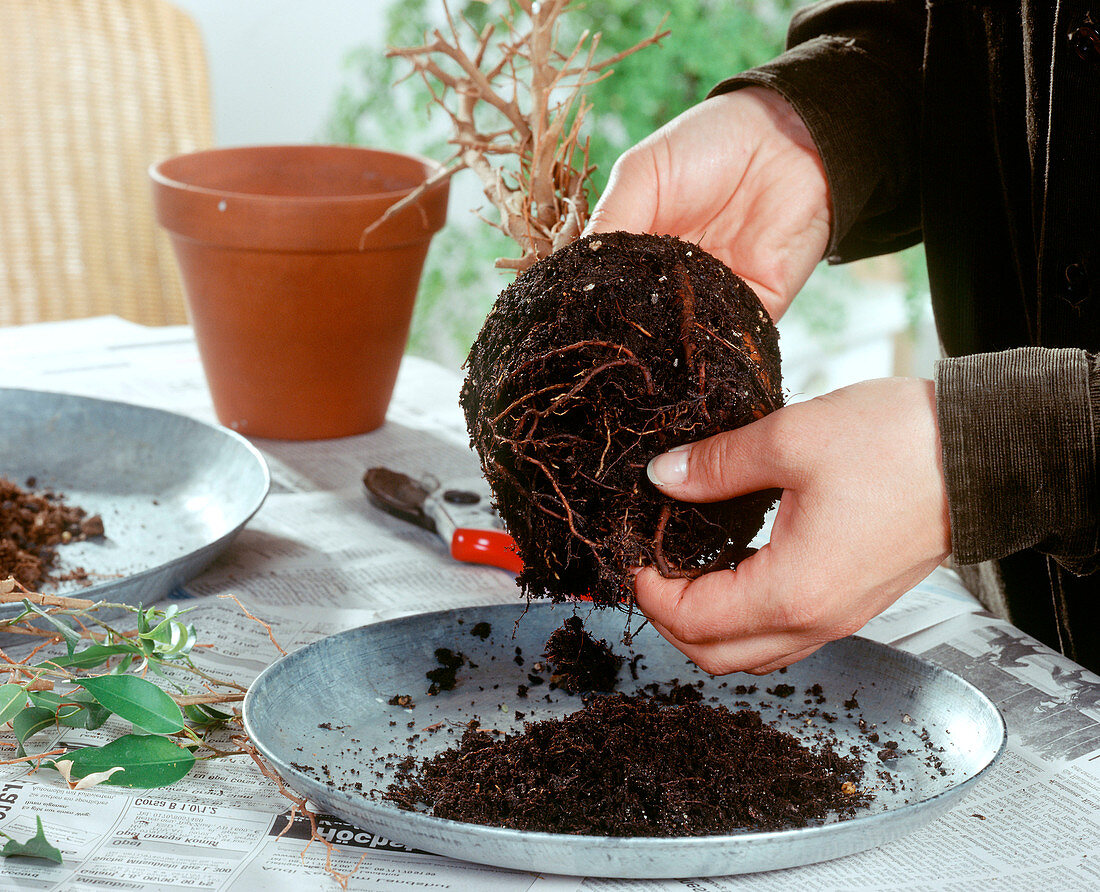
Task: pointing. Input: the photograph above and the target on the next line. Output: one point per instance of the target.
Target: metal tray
(173, 491)
(321, 715)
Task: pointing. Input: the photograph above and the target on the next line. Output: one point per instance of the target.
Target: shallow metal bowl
(322, 716)
(172, 491)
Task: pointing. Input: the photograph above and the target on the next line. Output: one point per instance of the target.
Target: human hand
(738, 175)
(863, 518)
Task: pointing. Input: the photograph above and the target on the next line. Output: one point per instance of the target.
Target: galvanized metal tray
(322, 716)
(172, 491)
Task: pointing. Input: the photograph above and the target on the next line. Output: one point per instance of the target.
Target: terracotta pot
(301, 315)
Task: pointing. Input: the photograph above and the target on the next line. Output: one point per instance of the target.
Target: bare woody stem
(535, 92)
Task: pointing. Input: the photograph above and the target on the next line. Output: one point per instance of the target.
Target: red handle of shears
(492, 547)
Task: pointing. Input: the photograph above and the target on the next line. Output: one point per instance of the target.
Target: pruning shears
(459, 511)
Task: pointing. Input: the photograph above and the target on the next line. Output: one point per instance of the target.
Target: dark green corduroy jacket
(975, 127)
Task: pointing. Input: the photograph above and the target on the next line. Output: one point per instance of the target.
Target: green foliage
(202, 715)
(457, 289)
(29, 721)
(147, 760)
(710, 41)
(370, 109)
(147, 757)
(88, 714)
(63, 625)
(915, 276)
(137, 700)
(13, 698)
(93, 656)
(35, 847)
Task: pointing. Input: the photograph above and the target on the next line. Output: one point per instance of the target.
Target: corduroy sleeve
(1021, 436)
(852, 72)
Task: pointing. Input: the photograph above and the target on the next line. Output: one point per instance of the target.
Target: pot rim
(158, 176)
(336, 222)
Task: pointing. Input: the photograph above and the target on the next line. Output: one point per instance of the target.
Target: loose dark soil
(630, 766)
(678, 694)
(32, 526)
(608, 352)
(578, 662)
(445, 676)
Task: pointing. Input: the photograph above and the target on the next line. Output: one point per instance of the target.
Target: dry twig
(299, 806)
(267, 626)
(518, 97)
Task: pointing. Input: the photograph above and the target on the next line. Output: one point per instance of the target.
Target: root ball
(616, 348)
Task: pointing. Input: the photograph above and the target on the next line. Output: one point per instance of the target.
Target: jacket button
(1086, 42)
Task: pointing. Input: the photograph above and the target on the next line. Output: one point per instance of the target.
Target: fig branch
(515, 100)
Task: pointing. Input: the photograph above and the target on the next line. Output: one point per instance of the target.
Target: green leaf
(161, 633)
(29, 722)
(35, 847)
(136, 700)
(90, 657)
(88, 714)
(154, 667)
(46, 699)
(12, 700)
(204, 715)
(62, 707)
(171, 639)
(71, 635)
(147, 761)
(123, 665)
(88, 717)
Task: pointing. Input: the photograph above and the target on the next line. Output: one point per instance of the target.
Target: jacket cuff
(863, 122)
(1019, 431)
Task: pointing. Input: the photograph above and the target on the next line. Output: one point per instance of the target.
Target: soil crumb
(444, 677)
(578, 662)
(628, 766)
(32, 526)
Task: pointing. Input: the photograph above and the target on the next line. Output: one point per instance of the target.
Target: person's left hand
(862, 519)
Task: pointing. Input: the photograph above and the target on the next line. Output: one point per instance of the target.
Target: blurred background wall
(276, 66)
(290, 71)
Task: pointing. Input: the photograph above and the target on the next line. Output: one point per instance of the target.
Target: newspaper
(318, 559)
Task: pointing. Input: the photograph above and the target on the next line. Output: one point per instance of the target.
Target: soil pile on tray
(32, 525)
(578, 662)
(614, 349)
(630, 766)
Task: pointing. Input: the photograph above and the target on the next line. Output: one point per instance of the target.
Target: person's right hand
(737, 175)
(863, 518)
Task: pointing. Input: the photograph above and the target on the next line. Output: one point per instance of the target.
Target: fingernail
(669, 468)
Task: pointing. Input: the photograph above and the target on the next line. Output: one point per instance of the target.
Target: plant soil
(578, 662)
(612, 350)
(444, 676)
(630, 766)
(32, 525)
